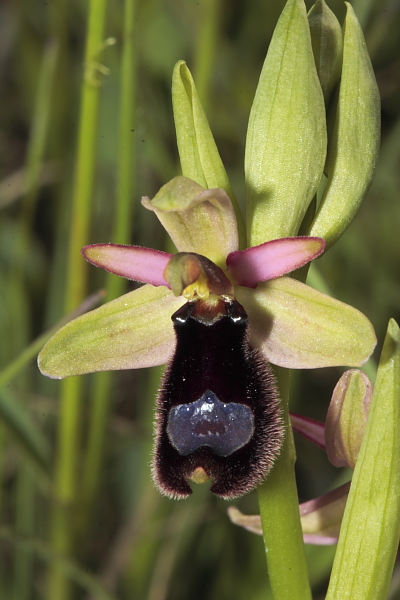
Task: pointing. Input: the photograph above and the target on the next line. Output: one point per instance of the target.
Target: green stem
(280, 517)
(101, 397)
(71, 409)
(25, 498)
(37, 144)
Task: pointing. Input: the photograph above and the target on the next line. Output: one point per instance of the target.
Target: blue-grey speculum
(225, 427)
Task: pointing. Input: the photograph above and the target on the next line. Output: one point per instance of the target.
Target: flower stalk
(280, 517)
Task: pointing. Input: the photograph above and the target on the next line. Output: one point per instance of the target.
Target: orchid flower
(294, 325)
(291, 324)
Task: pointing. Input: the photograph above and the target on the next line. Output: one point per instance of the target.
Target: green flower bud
(198, 152)
(327, 42)
(347, 418)
(353, 148)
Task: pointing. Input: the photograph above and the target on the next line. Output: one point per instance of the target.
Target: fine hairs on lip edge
(217, 357)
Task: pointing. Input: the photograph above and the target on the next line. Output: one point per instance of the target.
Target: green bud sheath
(286, 137)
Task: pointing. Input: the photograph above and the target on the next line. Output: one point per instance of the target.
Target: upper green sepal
(369, 535)
(286, 137)
(197, 220)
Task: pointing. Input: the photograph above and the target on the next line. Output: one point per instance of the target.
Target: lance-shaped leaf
(199, 156)
(130, 332)
(327, 41)
(347, 418)
(320, 518)
(308, 329)
(369, 536)
(197, 220)
(353, 150)
(286, 138)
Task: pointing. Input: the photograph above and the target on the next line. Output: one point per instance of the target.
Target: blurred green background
(80, 517)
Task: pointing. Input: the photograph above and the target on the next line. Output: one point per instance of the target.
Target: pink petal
(310, 429)
(320, 517)
(133, 262)
(315, 504)
(272, 259)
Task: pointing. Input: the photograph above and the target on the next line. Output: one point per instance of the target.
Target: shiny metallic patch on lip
(224, 427)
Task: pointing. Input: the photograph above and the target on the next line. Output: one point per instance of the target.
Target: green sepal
(286, 137)
(369, 536)
(306, 329)
(353, 149)
(130, 332)
(197, 220)
(198, 152)
(327, 44)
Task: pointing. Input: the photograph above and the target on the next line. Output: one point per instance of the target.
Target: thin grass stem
(101, 394)
(71, 405)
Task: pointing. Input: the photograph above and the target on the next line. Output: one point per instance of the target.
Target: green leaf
(327, 42)
(197, 220)
(369, 535)
(305, 329)
(198, 152)
(353, 150)
(130, 332)
(286, 138)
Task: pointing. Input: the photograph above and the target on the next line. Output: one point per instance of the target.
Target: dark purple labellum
(218, 408)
